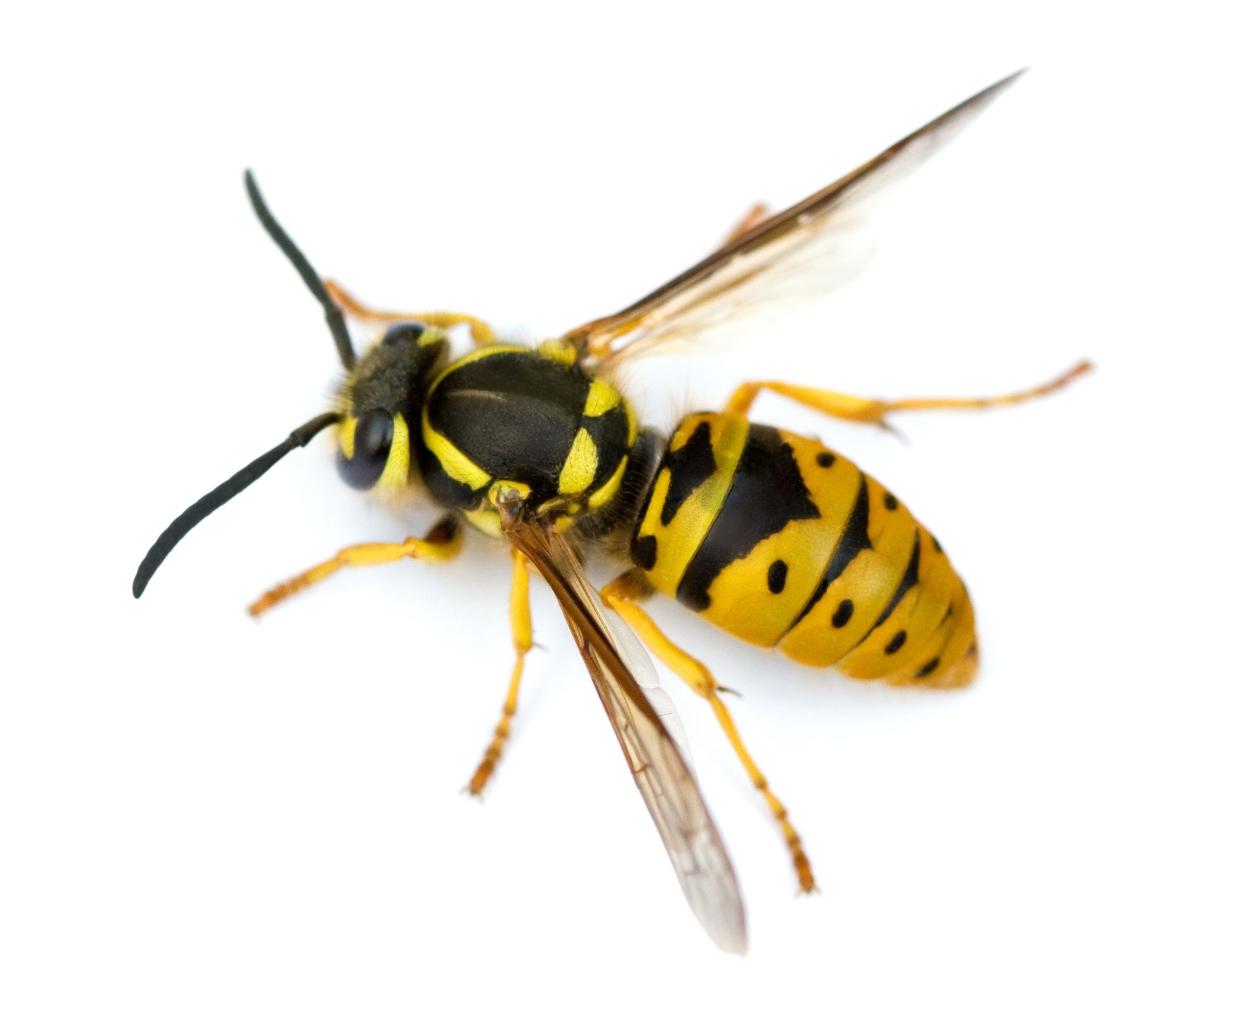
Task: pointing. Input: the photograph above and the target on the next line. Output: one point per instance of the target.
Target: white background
(208, 822)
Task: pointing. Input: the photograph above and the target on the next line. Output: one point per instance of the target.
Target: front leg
(443, 542)
(480, 331)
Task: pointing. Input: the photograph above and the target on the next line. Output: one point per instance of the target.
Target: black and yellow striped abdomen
(786, 544)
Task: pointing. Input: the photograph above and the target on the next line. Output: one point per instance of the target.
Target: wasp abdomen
(787, 544)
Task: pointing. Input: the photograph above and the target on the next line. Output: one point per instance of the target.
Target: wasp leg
(443, 542)
(757, 214)
(480, 331)
(857, 408)
(622, 594)
(519, 624)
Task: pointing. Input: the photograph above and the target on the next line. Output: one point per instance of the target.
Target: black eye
(407, 333)
(372, 441)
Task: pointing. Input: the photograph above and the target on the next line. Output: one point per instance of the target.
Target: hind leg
(622, 595)
(857, 408)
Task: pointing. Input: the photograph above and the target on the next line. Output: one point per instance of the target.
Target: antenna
(331, 312)
(221, 495)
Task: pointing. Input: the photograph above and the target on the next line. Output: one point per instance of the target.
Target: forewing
(810, 247)
(640, 713)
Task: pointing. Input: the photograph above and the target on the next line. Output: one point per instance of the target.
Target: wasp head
(380, 404)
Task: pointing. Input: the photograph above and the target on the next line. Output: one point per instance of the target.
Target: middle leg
(519, 624)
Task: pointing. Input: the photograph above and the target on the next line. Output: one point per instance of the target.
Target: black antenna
(331, 312)
(221, 495)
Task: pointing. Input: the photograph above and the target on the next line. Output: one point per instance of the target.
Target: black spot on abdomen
(841, 616)
(777, 571)
(854, 538)
(643, 551)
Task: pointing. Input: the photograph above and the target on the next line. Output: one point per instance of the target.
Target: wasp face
(379, 402)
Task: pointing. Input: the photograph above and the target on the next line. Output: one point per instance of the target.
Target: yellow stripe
(345, 437)
(678, 541)
(456, 464)
(486, 520)
(578, 471)
(560, 351)
(396, 473)
(601, 398)
(609, 489)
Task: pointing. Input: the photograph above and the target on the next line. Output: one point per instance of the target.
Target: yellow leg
(519, 624)
(856, 408)
(622, 595)
(480, 331)
(441, 543)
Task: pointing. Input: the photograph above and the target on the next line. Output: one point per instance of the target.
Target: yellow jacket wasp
(770, 535)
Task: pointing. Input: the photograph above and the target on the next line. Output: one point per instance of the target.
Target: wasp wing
(808, 244)
(642, 716)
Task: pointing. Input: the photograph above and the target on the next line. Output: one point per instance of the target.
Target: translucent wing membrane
(812, 246)
(642, 715)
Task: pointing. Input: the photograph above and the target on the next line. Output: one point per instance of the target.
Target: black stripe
(767, 493)
(609, 432)
(688, 467)
(853, 539)
(908, 581)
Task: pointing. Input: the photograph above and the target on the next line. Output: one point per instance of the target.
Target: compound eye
(405, 333)
(372, 441)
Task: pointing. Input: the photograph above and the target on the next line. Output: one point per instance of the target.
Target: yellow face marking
(609, 489)
(396, 473)
(578, 471)
(456, 464)
(601, 398)
(345, 436)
